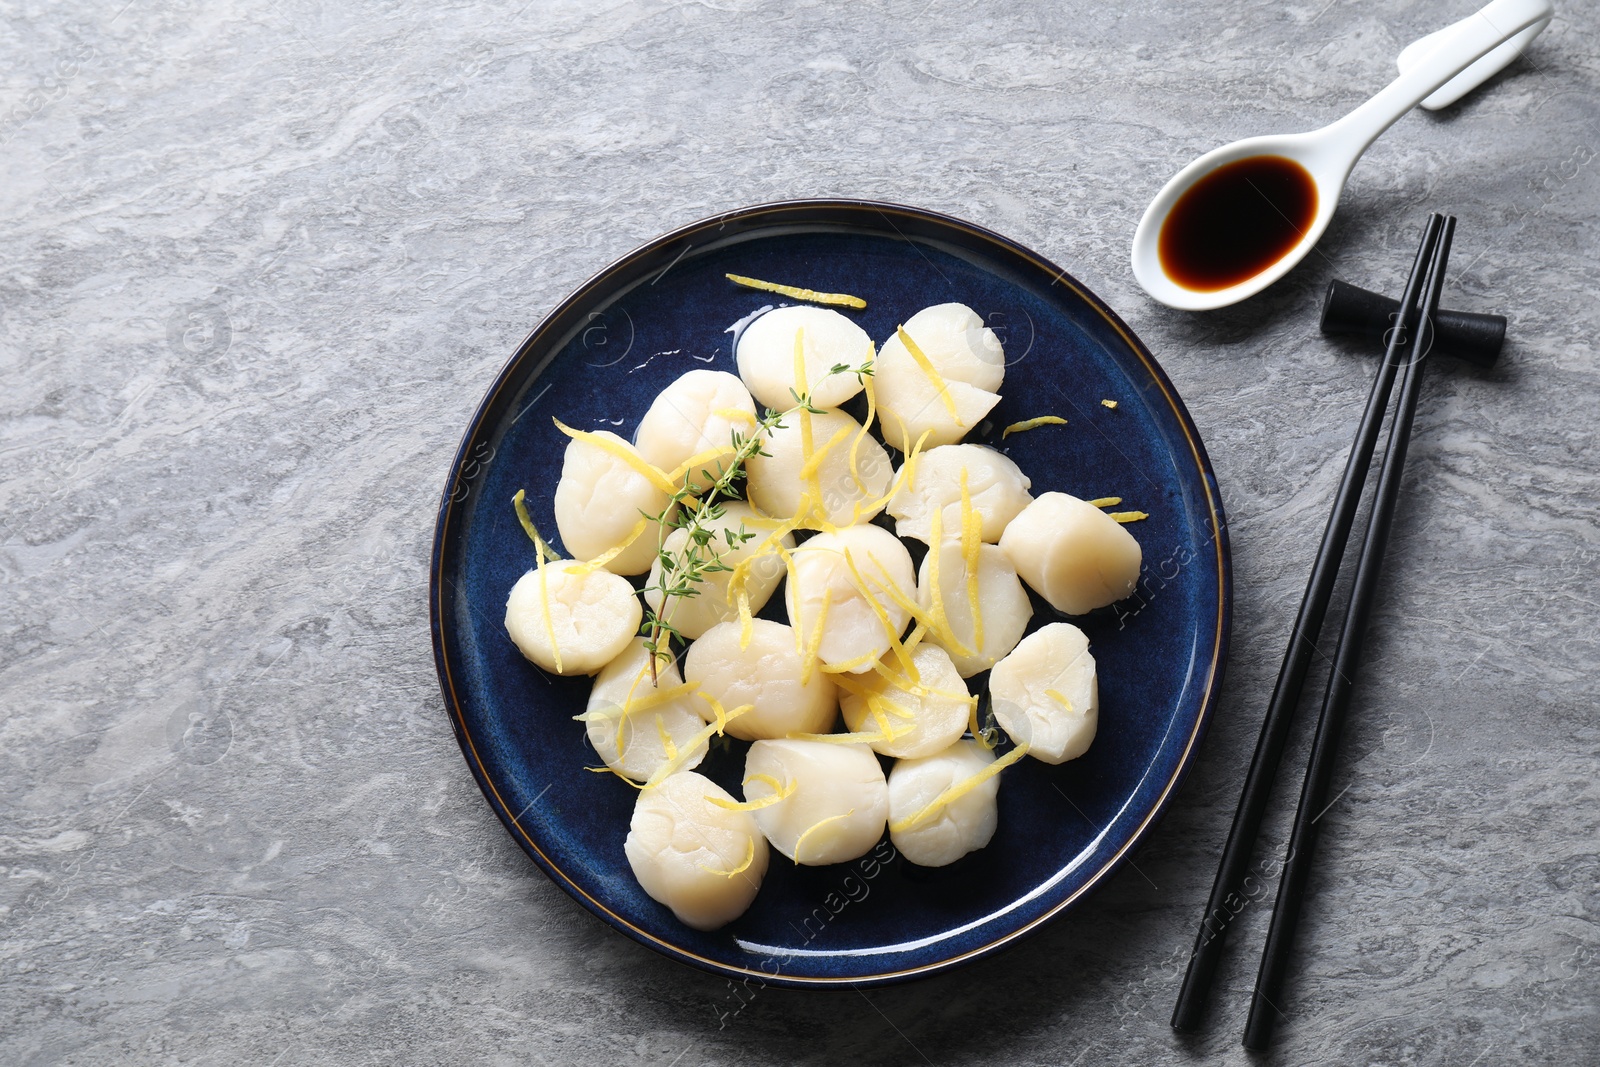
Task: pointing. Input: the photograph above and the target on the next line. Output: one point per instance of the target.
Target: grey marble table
(258, 261)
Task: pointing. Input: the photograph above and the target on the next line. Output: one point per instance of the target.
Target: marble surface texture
(258, 262)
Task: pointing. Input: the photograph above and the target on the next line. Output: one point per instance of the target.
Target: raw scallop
(963, 825)
(767, 362)
(997, 487)
(845, 595)
(952, 393)
(1046, 693)
(701, 859)
(632, 722)
(919, 717)
(571, 618)
(836, 804)
(1003, 605)
(601, 498)
(1073, 554)
(840, 492)
(696, 414)
(711, 603)
(766, 674)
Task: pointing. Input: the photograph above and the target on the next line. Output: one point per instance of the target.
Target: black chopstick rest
(1466, 335)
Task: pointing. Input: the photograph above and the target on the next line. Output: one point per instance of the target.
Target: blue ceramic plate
(600, 358)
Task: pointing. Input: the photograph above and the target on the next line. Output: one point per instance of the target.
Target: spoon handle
(1473, 76)
(1468, 41)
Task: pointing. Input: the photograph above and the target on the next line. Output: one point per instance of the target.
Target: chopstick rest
(1466, 335)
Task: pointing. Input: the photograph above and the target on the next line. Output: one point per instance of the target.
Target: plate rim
(458, 477)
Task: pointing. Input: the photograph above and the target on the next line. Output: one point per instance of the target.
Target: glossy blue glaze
(599, 360)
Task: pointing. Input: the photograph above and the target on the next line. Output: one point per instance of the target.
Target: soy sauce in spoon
(1241, 253)
(1236, 222)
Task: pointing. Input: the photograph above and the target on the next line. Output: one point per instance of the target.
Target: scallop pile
(859, 709)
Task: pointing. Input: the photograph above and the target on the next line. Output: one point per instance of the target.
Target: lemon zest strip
(1059, 697)
(540, 545)
(901, 601)
(720, 714)
(789, 575)
(739, 581)
(907, 471)
(878, 609)
(619, 774)
(780, 792)
(914, 638)
(667, 746)
(941, 628)
(813, 464)
(801, 840)
(890, 731)
(977, 730)
(809, 476)
(929, 371)
(749, 858)
(1030, 424)
(873, 687)
(885, 729)
(881, 703)
(1106, 502)
(763, 522)
(589, 566)
(653, 474)
(872, 412)
(1129, 516)
(549, 621)
(699, 459)
(798, 293)
(857, 738)
(539, 550)
(960, 789)
(971, 541)
(654, 700)
(814, 639)
(1112, 404)
(701, 736)
(622, 720)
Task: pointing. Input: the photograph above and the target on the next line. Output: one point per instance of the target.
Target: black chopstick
(1264, 1010)
(1231, 871)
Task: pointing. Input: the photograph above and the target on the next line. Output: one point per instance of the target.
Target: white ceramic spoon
(1330, 153)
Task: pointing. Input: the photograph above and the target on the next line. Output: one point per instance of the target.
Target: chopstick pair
(1407, 346)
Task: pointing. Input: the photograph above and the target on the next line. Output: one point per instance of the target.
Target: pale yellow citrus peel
(798, 293)
(959, 789)
(749, 858)
(814, 827)
(855, 443)
(971, 540)
(1032, 424)
(649, 471)
(780, 792)
(539, 550)
(929, 371)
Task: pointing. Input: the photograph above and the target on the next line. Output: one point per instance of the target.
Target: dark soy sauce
(1236, 222)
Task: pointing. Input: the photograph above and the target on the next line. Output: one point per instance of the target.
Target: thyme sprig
(693, 509)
